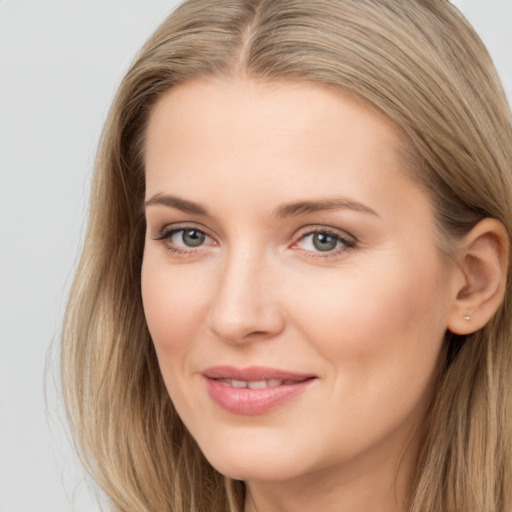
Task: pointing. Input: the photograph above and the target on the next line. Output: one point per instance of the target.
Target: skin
(366, 318)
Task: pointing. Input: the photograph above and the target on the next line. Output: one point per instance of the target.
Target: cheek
(381, 340)
(173, 303)
(376, 322)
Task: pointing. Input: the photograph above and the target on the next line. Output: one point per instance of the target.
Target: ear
(481, 277)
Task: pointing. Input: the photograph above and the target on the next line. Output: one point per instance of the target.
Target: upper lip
(254, 373)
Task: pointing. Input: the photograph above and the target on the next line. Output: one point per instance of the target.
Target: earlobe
(482, 269)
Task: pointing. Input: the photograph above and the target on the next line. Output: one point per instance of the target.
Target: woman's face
(291, 280)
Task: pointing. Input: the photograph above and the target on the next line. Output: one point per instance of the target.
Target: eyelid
(178, 226)
(166, 232)
(348, 241)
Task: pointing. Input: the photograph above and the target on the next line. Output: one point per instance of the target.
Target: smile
(255, 390)
(257, 384)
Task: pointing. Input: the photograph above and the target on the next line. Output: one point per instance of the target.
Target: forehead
(228, 101)
(272, 142)
(221, 114)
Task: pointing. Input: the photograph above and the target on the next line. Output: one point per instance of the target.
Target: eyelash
(166, 238)
(346, 243)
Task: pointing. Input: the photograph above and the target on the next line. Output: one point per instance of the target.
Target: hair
(421, 64)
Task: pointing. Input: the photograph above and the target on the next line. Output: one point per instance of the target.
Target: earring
(467, 318)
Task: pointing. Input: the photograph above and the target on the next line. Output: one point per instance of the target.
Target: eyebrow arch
(298, 208)
(176, 202)
(294, 209)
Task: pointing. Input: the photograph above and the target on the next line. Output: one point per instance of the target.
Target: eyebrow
(298, 208)
(176, 202)
(294, 209)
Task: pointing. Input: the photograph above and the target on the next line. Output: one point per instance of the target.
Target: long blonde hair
(417, 61)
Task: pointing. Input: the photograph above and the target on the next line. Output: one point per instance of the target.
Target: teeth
(257, 384)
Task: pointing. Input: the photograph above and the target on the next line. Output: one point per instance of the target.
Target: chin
(249, 470)
(256, 461)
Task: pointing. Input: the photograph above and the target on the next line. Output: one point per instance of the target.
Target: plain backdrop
(60, 63)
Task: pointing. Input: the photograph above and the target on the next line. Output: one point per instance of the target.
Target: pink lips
(253, 390)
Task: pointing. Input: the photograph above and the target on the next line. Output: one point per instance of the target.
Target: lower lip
(253, 401)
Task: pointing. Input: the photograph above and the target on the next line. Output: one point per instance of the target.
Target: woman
(293, 293)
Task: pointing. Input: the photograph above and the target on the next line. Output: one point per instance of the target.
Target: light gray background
(60, 62)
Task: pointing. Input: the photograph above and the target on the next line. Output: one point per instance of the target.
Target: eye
(320, 242)
(323, 241)
(188, 237)
(184, 239)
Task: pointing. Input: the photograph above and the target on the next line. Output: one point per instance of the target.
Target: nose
(245, 307)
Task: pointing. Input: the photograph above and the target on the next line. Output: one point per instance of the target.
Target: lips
(254, 390)
(255, 384)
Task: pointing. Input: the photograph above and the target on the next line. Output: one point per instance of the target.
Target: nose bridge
(244, 306)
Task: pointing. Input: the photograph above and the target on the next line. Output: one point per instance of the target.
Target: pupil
(193, 238)
(324, 242)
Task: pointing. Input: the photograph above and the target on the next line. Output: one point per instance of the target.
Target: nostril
(255, 334)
